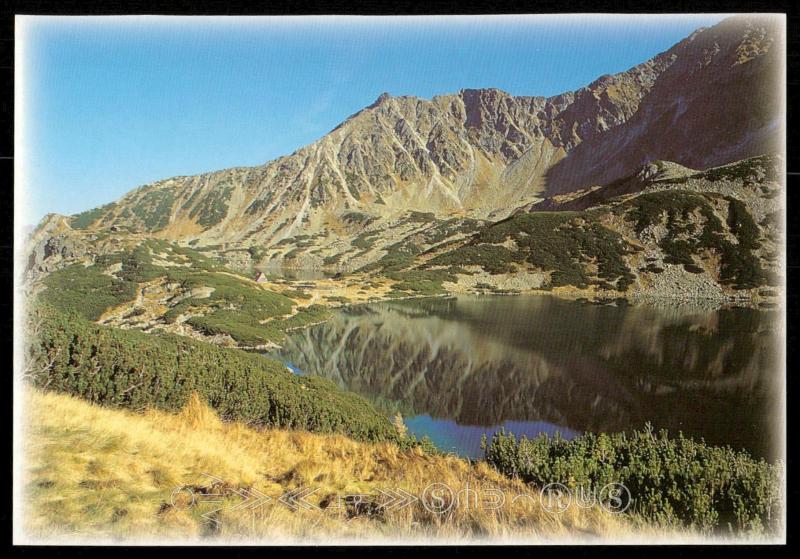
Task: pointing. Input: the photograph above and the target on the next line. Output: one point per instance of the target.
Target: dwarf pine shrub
(109, 366)
(672, 480)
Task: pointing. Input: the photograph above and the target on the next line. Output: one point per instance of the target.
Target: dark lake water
(459, 368)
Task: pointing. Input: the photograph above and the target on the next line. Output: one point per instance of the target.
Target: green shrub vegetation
(235, 306)
(296, 294)
(442, 230)
(136, 370)
(561, 242)
(85, 219)
(155, 208)
(213, 208)
(672, 481)
(294, 253)
(577, 249)
(257, 253)
(420, 217)
(311, 314)
(399, 256)
(742, 224)
(652, 268)
(89, 291)
(421, 282)
(746, 170)
(246, 326)
(332, 259)
(299, 241)
(397, 264)
(399, 261)
(229, 322)
(358, 218)
(257, 206)
(86, 291)
(492, 258)
(365, 241)
(138, 311)
(687, 237)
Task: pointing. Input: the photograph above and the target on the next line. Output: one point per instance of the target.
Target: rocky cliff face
(481, 153)
(718, 101)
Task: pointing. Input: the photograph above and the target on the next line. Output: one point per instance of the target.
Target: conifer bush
(131, 369)
(673, 481)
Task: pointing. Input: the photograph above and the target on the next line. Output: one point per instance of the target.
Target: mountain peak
(381, 98)
(483, 93)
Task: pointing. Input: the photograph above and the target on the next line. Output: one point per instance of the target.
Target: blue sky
(111, 104)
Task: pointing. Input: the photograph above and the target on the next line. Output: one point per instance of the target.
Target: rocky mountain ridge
(481, 153)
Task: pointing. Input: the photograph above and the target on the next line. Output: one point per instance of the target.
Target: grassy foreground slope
(109, 473)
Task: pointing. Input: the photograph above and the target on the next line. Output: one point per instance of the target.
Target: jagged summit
(381, 98)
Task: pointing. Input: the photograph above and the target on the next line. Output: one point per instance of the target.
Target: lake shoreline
(656, 355)
(587, 296)
(590, 296)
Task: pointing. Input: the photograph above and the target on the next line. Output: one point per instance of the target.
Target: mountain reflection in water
(457, 368)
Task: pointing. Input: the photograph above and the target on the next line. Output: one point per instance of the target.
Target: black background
(396, 7)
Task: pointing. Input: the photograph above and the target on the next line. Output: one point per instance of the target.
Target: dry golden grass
(99, 473)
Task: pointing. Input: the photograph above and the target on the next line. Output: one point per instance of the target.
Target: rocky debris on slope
(48, 254)
(675, 283)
